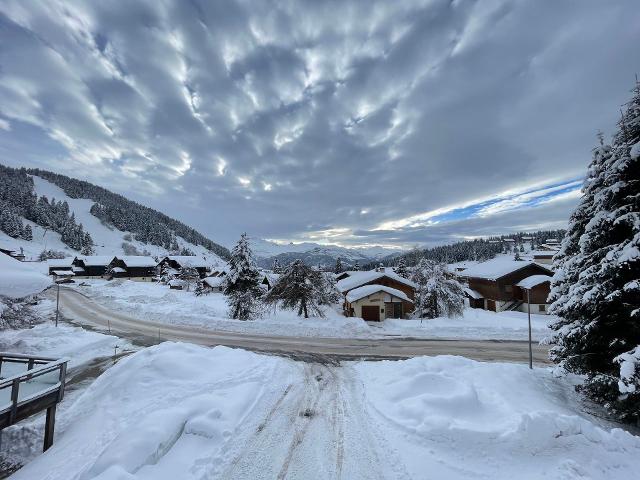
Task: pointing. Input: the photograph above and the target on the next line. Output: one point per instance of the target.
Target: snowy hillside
(107, 239)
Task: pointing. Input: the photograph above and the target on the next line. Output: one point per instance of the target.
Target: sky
(356, 123)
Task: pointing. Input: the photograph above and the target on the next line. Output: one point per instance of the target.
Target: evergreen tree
(200, 289)
(27, 233)
(596, 288)
(516, 256)
(356, 267)
(438, 292)
(276, 268)
(401, 268)
(242, 286)
(338, 268)
(303, 288)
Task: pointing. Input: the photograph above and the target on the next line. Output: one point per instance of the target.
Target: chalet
(133, 267)
(533, 291)
(179, 262)
(60, 264)
(378, 278)
(269, 280)
(543, 256)
(492, 285)
(18, 255)
(217, 272)
(374, 303)
(213, 284)
(91, 266)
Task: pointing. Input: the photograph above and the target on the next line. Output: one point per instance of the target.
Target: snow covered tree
(27, 233)
(200, 289)
(438, 292)
(276, 268)
(303, 288)
(401, 268)
(516, 256)
(242, 286)
(338, 268)
(356, 267)
(596, 287)
(189, 276)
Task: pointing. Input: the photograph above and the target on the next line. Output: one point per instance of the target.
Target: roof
(366, 290)
(472, 293)
(272, 278)
(60, 262)
(96, 260)
(118, 270)
(190, 261)
(138, 261)
(533, 281)
(63, 273)
(543, 253)
(498, 268)
(357, 279)
(214, 281)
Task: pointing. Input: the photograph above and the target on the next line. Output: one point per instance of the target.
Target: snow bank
(456, 418)
(165, 412)
(20, 279)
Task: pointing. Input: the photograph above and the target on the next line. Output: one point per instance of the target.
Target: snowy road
(80, 309)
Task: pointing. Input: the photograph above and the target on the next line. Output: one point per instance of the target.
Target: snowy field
(151, 301)
(189, 412)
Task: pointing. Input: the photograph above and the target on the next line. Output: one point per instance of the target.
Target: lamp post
(529, 319)
(57, 302)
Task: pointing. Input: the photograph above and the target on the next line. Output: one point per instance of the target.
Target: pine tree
(596, 288)
(27, 233)
(438, 292)
(338, 268)
(200, 289)
(401, 268)
(356, 267)
(303, 288)
(242, 286)
(276, 268)
(516, 256)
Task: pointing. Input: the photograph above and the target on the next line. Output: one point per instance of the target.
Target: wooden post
(529, 318)
(49, 427)
(15, 388)
(57, 303)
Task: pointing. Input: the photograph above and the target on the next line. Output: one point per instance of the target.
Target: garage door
(371, 313)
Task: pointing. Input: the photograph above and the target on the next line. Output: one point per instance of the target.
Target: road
(83, 310)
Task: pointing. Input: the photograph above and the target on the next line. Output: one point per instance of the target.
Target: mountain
(41, 210)
(267, 252)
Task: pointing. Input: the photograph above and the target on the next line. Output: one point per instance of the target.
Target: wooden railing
(39, 387)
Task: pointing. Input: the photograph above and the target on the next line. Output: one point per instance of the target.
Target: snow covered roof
(20, 279)
(118, 270)
(357, 279)
(472, 293)
(138, 261)
(78, 269)
(60, 262)
(543, 253)
(96, 260)
(190, 261)
(366, 290)
(63, 273)
(497, 268)
(214, 281)
(533, 281)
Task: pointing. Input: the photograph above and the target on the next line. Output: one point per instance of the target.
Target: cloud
(291, 119)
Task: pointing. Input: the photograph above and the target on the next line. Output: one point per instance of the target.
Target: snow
(495, 268)
(472, 293)
(96, 260)
(357, 279)
(138, 261)
(629, 368)
(214, 282)
(63, 273)
(20, 279)
(189, 261)
(457, 419)
(60, 263)
(189, 412)
(157, 302)
(635, 151)
(118, 270)
(533, 281)
(366, 290)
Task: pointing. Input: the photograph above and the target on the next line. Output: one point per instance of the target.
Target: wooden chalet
(492, 285)
(60, 265)
(91, 266)
(133, 267)
(214, 284)
(543, 256)
(180, 262)
(386, 289)
(534, 290)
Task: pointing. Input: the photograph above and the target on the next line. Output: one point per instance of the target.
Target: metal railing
(40, 393)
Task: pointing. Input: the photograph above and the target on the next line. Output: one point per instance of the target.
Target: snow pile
(629, 370)
(166, 412)
(19, 279)
(456, 419)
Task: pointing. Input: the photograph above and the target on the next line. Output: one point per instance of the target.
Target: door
(491, 305)
(371, 313)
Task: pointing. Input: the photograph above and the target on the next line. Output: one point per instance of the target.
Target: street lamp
(529, 319)
(57, 303)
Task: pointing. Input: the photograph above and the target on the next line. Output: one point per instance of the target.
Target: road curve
(83, 310)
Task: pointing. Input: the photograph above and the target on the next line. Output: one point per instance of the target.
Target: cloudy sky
(349, 122)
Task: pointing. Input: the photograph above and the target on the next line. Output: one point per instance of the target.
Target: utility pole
(57, 303)
(529, 318)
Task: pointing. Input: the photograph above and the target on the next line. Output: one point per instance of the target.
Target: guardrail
(39, 387)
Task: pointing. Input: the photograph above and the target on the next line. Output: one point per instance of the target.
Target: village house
(493, 285)
(388, 295)
(135, 267)
(91, 266)
(60, 264)
(180, 262)
(533, 291)
(269, 279)
(543, 256)
(213, 284)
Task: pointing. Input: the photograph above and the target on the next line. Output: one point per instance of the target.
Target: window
(541, 308)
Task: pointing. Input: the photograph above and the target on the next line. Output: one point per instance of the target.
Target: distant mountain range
(267, 252)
